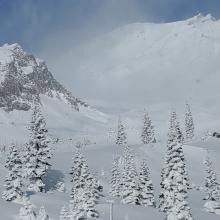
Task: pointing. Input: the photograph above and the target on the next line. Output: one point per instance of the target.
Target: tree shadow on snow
(52, 178)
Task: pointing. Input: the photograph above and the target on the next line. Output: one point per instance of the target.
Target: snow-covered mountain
(153, 63)
(22, 77)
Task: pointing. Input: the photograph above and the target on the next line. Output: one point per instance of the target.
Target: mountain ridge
(23, 77)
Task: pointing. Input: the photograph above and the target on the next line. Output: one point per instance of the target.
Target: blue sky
(32, 22)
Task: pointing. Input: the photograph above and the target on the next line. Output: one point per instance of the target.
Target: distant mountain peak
(200, 18)
(23, 77)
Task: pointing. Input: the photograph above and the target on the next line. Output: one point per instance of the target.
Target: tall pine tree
(174, 182)
(147, 135)
(37, 151)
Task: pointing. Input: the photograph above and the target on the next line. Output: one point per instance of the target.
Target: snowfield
(70, 126)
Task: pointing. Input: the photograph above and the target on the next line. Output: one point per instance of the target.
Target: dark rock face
(23, 77)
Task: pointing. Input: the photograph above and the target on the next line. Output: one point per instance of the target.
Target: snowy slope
(147, 63)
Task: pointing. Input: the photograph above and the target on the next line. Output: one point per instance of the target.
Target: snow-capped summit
(22, 77)
(200, 18)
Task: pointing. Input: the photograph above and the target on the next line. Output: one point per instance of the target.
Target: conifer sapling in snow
(147, 135)
(121, 135)
(42, 215)
(146, 195)
(13, 182)
(211, 183)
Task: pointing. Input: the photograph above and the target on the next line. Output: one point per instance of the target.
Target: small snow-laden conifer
(81, 177)
(86, 189)
(121, 135)
(64, 213)
(27, 212)
(131, 190)
(189, 124)
(211, 184)
(146, 195)
(147, 135)
(38, 151)
(13, 182)
(116, 179)
(42, 215)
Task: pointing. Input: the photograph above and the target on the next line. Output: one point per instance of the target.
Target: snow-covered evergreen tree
(121, 135)
(27, 212)
(189, 124)
(211, 184)
(75, 172)
(174, 182)
(130, 190)
(86, 190)
(13, 182)
(115, 179)
(37, 151)
(42, 215)
(147, 135)
(146, 196)
(174, 185)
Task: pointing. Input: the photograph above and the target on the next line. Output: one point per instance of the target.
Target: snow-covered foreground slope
(98, 131)
(100, 160)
